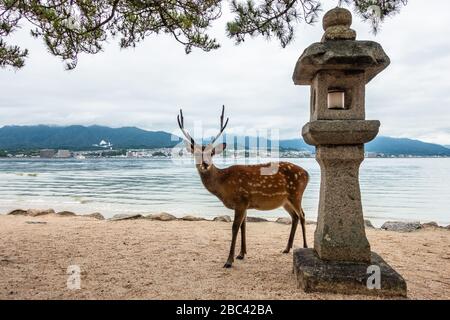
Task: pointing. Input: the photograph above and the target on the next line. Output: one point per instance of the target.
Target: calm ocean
(400, 189)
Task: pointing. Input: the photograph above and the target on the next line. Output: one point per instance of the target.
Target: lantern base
(316, 275)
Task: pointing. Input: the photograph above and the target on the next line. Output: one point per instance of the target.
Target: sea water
(392, 188)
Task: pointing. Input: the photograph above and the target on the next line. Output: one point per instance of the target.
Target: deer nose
(205, 165)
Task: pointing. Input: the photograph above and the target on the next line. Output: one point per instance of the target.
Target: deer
(242, 187)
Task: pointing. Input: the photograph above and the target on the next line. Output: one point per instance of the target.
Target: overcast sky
(144, 87)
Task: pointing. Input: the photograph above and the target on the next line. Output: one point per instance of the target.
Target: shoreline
(158, 158)
(154, 259)
(403, 223)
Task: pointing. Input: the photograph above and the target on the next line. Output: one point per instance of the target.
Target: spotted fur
(242, 187)
(248, 187)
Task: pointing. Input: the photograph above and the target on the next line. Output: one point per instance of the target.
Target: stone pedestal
(340, 233)
(317, 275)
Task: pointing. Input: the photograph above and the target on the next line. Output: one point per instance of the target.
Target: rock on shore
(31, 212)
(222, 218)
(37, 212)
(256, 219)
(431, 224)
(120, 217)
(66, 214)
(192, 218)
(368, 224)
(18, 212)
(96, 215)
(284, 220)
(163, 216)
(401, 226)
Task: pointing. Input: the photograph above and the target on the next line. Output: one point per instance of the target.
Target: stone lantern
(338, 69)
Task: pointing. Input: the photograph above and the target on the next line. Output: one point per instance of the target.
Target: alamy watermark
(74, 278)
(260, 146)
(374, 279)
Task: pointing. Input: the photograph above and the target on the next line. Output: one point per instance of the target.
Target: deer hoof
(240, 257)
(227, 265)
(286, 251)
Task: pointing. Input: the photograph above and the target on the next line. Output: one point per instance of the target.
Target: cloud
(145, 86)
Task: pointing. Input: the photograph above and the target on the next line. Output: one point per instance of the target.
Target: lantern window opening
(336, 99)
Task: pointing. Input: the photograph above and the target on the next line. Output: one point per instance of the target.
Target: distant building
(371, 154)
(47, 153)
(63, 154)
(104, 144)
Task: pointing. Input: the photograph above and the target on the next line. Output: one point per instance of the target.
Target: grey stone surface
(120, 217)
(401, 226)
(65, 214)
(340, 233)
(224, 218)
(336, 24)
(192, 218)
(366, 56)
(337, 17)
(18, 212)
(284, 220)
(316, 275)
(431, 224)
(163, 216)
(256, 219)
(340, 132)
(339, 33)
(96, 215)
(38, 212)
(368, 224)
(33, 212)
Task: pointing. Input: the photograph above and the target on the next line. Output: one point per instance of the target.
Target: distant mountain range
(84, 138)
(397, 146)
(386, 145)
(81, 137)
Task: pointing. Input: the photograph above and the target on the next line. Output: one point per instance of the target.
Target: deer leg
(297, 206)
(243, 240)
(302, 221)
(294, 224)
(239, 216)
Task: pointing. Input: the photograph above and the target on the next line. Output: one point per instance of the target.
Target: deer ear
(189, 147)
(219, 148)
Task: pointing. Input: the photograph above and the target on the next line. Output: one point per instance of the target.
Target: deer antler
(222, 126)
(180, 119)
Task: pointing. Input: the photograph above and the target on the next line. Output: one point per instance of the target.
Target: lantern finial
(336, 24)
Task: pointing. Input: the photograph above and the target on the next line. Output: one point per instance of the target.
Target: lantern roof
(339, 50)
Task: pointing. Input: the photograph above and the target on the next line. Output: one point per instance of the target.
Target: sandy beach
(144, 259)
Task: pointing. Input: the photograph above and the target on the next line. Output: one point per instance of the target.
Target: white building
(63, 154)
